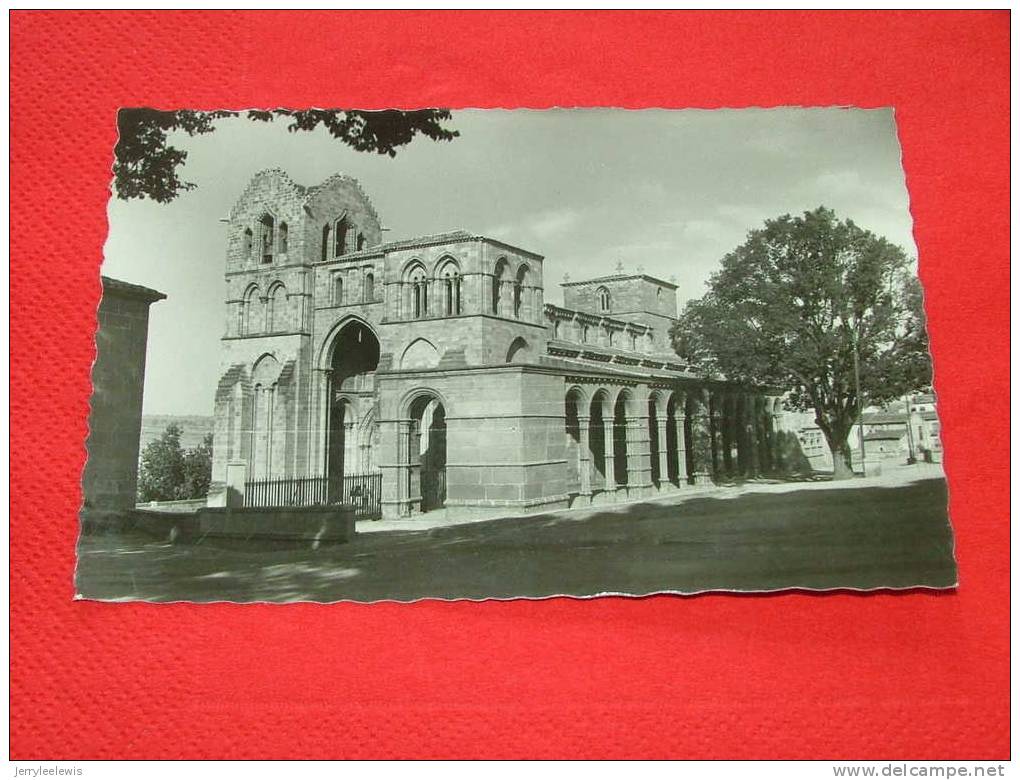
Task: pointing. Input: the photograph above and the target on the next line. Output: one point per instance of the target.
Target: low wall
(187, 505)
(326, 524)
(306, 524)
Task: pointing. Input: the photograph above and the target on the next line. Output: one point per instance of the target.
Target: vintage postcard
(473, 354)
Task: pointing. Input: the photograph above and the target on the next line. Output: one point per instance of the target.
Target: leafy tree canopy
(790, 306)
(170, 473)
(146, 165)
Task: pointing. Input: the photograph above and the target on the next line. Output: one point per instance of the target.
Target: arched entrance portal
(350, 440)
(428, 441)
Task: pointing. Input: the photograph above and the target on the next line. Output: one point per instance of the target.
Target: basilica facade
(429, 374)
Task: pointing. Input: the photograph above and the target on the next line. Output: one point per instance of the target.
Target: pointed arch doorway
(352, 476)
(428, 441)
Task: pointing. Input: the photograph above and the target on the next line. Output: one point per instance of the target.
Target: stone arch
(266, 225)
(519, 352)
(698, 435)
(326, 232)
(276, 307)
(623, 411)
(604, 299)
(324, 359)
(500, 286)
(657, 434)
(413, 396)
(600, 414)
(521, 309)
(674, 413)
(449, 277)
(250, 309)
(574, 407)
(344, 231)
(415, 283)
(352, 352)
(428, 414)
(420, 353)
(265, 375)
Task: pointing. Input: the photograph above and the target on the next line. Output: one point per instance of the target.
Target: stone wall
(118, 376)
(635, 298)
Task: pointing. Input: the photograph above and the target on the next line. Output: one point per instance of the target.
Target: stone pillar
(609, 436)
(584, 456)
(663, 453)
(408, 434)
(271, 397)
(639, 456)
(681, 445)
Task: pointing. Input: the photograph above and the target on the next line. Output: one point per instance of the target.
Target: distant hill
(193, 428)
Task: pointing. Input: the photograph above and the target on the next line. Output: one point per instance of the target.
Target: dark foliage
(147, 166)
(792, 305)
(170, 473)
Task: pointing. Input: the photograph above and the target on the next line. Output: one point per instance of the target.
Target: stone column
(682, 476)
(639, 456)
(609, 448)
(253, 449)
(663, 454)
(584, 457)
(271, 395)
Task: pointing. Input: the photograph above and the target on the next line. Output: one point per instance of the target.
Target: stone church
(429, 374)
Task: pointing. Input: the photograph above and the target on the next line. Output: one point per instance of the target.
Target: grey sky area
(670, 191)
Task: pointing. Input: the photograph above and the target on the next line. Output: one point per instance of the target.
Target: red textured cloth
(917, 675)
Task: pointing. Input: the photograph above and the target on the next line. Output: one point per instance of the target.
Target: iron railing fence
(362, 491)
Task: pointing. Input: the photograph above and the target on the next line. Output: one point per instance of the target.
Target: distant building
(115, 420)
(902, 431)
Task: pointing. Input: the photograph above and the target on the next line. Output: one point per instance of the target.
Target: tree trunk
(836, 434)
(842, 466)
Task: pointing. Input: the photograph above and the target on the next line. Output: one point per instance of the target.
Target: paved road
(874, 534)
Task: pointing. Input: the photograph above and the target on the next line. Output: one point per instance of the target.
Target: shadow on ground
(857, 537)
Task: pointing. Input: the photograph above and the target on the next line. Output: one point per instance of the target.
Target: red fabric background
(918, 675)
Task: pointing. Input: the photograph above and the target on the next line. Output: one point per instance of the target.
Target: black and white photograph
(349, 355)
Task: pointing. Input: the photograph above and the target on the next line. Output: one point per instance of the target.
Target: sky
(665, 192)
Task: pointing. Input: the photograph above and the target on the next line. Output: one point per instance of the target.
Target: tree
(169, 473)
(146, 166)
(791, 306)
(162, 472)
(198, 469)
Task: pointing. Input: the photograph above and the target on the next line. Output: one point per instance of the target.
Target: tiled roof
(884, 436)
(884, 418)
